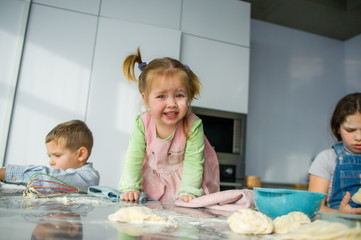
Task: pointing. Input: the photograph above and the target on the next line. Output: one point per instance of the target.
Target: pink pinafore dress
(163, 162)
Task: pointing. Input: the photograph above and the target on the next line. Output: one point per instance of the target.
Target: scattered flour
(321, 229)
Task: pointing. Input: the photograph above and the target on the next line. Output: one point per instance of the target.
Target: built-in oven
(226, 132)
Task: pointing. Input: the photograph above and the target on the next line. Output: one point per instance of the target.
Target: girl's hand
(187, 198)
(130, 196)
(346, 208)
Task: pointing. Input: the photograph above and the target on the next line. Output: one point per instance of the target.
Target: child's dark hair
(73, 134)
(162, 67)
(348, 105)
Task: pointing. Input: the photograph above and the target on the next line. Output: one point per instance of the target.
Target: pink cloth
(229, 200)
(163, 162)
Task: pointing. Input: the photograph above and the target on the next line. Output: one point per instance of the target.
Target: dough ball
(137, 215)
(356, 198)
(248, 221)
(288, 223)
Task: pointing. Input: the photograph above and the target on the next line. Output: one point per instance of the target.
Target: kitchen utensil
(278, 202)
(45, 185)
(111, 193)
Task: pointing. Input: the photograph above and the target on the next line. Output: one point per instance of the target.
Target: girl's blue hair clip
(142, 65)
(187, 67)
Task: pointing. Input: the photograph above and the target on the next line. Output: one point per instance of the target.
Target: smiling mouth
(171, 115)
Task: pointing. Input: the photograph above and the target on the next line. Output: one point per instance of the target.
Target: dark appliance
(226, 132)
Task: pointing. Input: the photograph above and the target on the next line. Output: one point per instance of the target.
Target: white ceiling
(338, 19)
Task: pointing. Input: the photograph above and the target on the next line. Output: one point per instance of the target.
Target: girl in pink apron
(168, 155)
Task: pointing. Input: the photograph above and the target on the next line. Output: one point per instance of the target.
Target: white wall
(54, 79)
(353, 64)
(296, 78)
(13, 21)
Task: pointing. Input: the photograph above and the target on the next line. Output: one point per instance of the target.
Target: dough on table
(290, 222)
(321, 229)
(356, 198)
(249, 221)
(138, 214)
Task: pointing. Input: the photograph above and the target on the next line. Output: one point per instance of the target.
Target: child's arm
(83, 177)
(192, 174)
(131, 179)
(318, 184)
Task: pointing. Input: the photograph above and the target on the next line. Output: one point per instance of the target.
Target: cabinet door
(84, 6)
(161, 13)
(13, 20)
(223, 70)
(113, 102)
(226, 20)
(54, 79)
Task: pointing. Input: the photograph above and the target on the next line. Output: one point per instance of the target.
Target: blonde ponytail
(129, 64)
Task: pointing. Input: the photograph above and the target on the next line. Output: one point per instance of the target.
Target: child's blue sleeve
(83, 177)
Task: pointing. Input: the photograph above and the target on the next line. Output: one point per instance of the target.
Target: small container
(253, 181)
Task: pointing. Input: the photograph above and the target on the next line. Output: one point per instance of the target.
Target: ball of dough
(137, 215)
(356, 198)
(249, 221)
(290, 222)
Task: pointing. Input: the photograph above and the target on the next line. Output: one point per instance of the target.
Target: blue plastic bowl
(278, 202)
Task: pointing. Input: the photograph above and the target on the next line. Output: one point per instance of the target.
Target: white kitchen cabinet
(161, 13)
(223, 70)
(226, 20)
(54, 79)
(13, 20)
(113, 102)
(84, 6)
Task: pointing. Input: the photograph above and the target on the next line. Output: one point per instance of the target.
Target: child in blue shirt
(69, 146)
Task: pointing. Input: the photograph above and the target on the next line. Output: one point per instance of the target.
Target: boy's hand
(187, 198)
(130, 196)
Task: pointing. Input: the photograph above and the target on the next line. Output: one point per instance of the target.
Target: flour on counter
(249, 221)
(80, 200)
(321, 229)
(139, 214)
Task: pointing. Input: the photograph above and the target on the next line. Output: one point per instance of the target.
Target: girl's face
(350, 131)
(168, 103)
(62, 157)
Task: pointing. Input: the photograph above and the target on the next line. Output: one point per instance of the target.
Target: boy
(69, 146)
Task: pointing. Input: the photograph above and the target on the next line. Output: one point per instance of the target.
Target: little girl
(168, 155)
(336, 171)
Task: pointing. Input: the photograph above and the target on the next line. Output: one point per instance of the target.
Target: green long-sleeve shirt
(192, 173)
